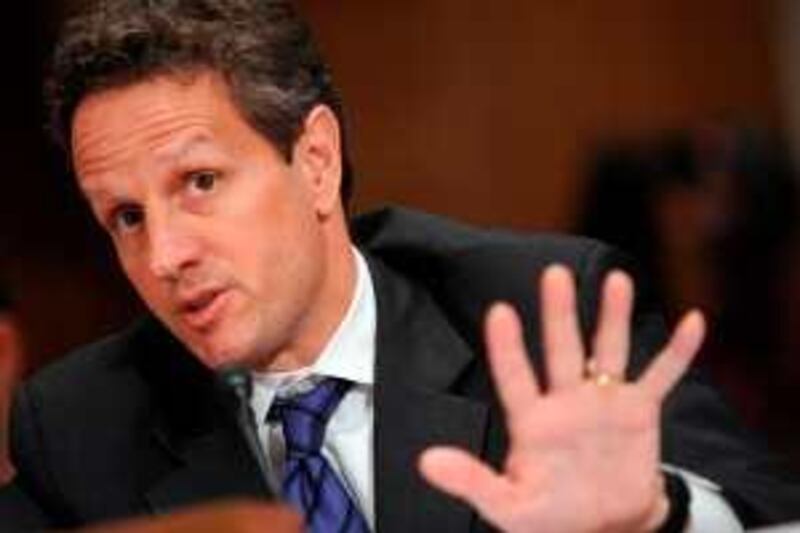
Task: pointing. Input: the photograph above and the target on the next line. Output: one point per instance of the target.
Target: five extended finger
(668, 367)
(612, 339)
(560, 328)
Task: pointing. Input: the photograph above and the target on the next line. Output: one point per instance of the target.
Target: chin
(219, 355)
(229, 347)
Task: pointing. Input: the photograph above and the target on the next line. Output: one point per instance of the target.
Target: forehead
(150, 115)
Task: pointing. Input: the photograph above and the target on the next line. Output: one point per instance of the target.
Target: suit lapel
(211, 466)
(419, 361)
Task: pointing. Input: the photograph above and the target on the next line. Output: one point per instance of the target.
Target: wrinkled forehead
(115, 123)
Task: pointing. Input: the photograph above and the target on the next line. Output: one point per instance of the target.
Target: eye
(202, 181)
(126, 218)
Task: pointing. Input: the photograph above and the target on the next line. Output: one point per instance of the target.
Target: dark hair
(262, 48)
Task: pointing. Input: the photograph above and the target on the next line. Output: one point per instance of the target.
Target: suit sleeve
(699, 431)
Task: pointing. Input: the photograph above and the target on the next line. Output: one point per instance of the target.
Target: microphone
(239, 383)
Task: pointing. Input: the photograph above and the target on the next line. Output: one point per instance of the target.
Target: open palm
(584, 453)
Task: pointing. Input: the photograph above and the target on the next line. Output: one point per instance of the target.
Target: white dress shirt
(350, 355)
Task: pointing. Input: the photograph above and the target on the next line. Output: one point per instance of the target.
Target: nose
(173, 248)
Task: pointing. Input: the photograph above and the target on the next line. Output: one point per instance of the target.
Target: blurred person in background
(711, 215)
(10, 367)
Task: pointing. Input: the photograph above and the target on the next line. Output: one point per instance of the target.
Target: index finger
(513, 375)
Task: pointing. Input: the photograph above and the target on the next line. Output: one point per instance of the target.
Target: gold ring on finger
(605, 379)
(599, 377)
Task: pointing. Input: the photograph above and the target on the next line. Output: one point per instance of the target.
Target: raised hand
(584, 451)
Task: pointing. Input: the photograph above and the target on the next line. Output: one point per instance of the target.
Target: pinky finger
(670, 365)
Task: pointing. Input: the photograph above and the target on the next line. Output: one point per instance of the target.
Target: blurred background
(669, 127)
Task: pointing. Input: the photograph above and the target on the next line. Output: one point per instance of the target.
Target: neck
(336, 292)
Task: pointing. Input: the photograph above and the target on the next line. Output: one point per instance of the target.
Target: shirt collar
(349, 353)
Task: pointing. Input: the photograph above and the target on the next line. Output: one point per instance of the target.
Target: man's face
(221, 237)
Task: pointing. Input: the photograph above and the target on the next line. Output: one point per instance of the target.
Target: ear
(318, 152)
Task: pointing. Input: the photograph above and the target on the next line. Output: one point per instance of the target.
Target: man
(207, 138)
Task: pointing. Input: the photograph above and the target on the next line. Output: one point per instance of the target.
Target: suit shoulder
(93, 370)
(421, 243)
(534, 248)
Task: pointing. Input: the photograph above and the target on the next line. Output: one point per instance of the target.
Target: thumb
(459, 474)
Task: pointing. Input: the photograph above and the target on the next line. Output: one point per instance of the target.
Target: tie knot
(304, 416)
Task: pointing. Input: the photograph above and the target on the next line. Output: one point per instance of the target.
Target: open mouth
(202, 310)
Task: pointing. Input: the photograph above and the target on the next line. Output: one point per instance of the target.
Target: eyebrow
(182, 148)
(101, 201)
(170, 155)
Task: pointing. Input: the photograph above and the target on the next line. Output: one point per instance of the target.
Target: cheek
(272, 238)
(146, 285)
(278, 260)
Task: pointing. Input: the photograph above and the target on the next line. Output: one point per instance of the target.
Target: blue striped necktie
(309, 482)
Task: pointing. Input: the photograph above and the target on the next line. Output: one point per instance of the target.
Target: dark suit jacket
(133, 424)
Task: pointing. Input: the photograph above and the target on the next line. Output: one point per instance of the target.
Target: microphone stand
(238, 383)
